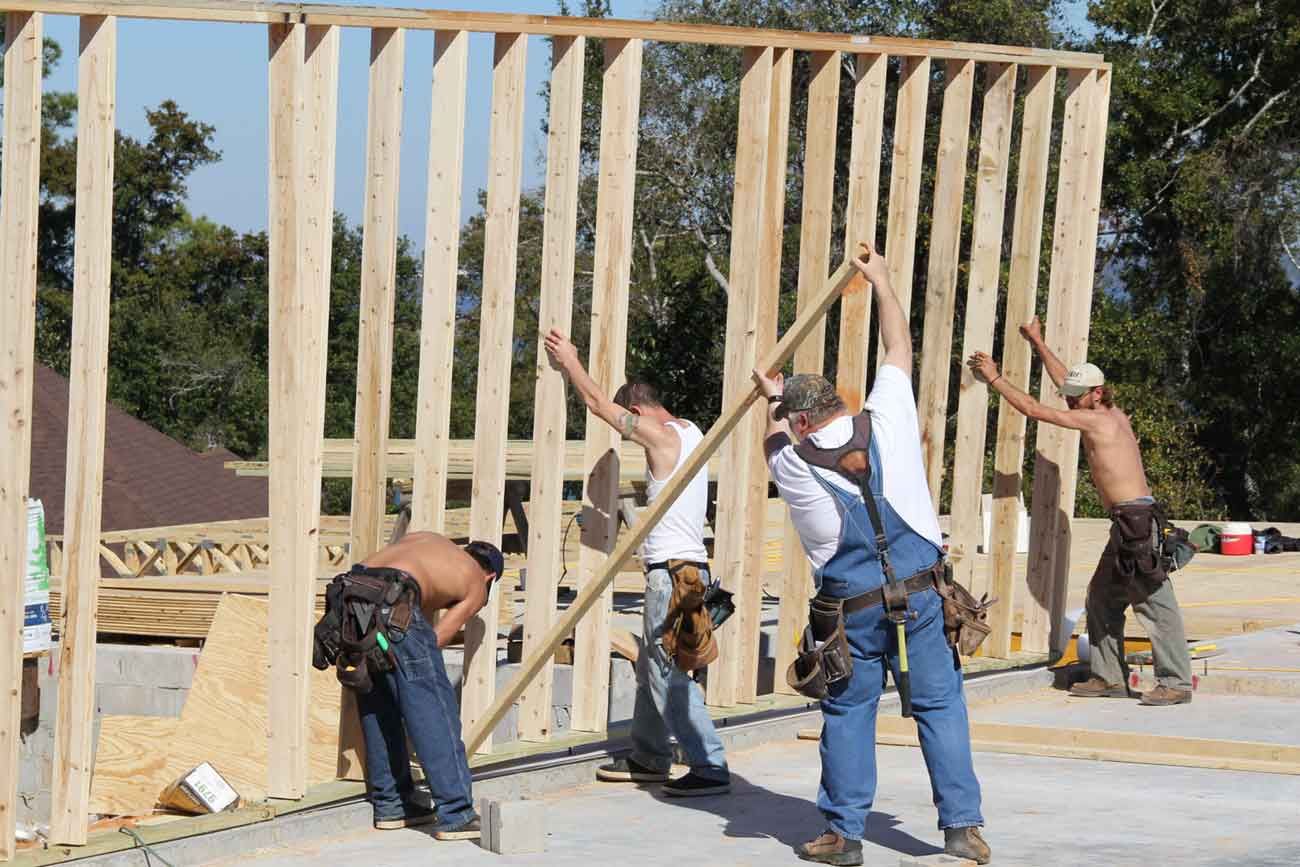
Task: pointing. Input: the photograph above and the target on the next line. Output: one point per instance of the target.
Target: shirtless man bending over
(417, 693)
(1130, 571)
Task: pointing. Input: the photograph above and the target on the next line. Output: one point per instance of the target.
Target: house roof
(150, 479)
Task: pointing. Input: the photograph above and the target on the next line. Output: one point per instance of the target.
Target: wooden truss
(303, 48)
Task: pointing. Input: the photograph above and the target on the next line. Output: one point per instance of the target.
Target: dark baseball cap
(488, 556)
(806, 391)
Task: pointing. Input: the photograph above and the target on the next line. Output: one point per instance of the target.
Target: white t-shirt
(896, 434)
(679, 535)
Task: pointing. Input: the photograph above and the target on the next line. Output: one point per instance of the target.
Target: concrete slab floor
(1274, 720)
(1040, 811)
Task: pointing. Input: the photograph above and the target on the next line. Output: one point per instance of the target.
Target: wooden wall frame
(620, 111)
(19, 201)
(87, 410)
(303, 47)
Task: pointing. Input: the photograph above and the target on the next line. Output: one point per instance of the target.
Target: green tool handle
(904, 676)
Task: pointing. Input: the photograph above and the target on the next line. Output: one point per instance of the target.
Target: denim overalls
(848, 782)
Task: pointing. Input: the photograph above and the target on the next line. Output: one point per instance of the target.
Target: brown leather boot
(1095, 687)
(1162, 696)
(831, 848)
(966, 843)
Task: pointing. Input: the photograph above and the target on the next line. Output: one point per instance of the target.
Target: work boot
(966, 843)
(1162, 696)
(470, 829)
(831, 848)
(1095, 687)
(627, 771)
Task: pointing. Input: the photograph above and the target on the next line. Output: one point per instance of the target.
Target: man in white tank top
(667, 700)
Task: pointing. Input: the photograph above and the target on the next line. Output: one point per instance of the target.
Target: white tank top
(679, 535)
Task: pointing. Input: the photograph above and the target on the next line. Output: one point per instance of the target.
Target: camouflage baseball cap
(805, 391)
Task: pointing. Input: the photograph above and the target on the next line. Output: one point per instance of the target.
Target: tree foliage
(1196, 316)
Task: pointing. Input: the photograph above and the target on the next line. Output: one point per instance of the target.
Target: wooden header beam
(555, 25)
(482, 727)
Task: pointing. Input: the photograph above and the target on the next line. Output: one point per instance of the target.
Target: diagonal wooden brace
(845, 279)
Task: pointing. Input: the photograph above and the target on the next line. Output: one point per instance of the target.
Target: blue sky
(217, 73)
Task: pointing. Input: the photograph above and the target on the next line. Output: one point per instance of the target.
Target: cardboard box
(202, 790)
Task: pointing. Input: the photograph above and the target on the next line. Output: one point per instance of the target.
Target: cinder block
(136, 700)
(937, 860)
(126, 664)
(484, 807)
(513, 827)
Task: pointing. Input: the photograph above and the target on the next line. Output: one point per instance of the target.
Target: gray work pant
(1124, 577)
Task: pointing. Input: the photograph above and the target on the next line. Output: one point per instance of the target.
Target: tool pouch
(718, 603)
(964, 617)
(688, 631)
(824, 656)
(354, 672)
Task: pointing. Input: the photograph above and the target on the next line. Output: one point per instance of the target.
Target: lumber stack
(183, 606)
(337, 461)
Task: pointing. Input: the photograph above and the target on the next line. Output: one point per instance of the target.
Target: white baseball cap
(1082, 378)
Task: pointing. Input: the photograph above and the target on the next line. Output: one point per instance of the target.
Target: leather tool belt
(365, 608)
(824, 657)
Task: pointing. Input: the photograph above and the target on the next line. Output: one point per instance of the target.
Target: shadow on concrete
(753, 811)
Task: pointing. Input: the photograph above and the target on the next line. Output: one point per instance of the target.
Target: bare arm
(1033, 332)
(770, 386)
(986, 370)
(454, 618)
(895, 335)
(645, 433)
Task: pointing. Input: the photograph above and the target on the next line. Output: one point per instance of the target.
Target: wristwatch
(775, 398)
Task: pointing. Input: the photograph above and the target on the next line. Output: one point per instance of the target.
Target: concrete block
(139, 700)
(513, 827)
(938, 860)
(170, 667)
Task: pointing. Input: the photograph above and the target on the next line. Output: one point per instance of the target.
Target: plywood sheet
(224, 722)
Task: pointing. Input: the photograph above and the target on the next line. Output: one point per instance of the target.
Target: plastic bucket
(1236, 539)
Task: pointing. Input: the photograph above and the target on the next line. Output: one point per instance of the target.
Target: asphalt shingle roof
(150, 479)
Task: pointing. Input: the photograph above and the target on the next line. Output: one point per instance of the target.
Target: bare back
(1114, 458)
(446, 574)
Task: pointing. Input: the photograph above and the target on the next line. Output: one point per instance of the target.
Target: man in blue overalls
(835, 527)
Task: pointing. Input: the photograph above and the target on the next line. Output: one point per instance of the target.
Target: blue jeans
(848, 751)
(667, 700)
(418, 694)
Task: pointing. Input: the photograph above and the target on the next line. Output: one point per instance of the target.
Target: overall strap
(853, 461)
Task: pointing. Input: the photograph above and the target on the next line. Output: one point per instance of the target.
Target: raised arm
(564, 356)
(1033, 332)
(986, 370)
(770, 387)
(895, 336)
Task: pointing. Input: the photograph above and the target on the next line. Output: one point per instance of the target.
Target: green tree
(1201, 212)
